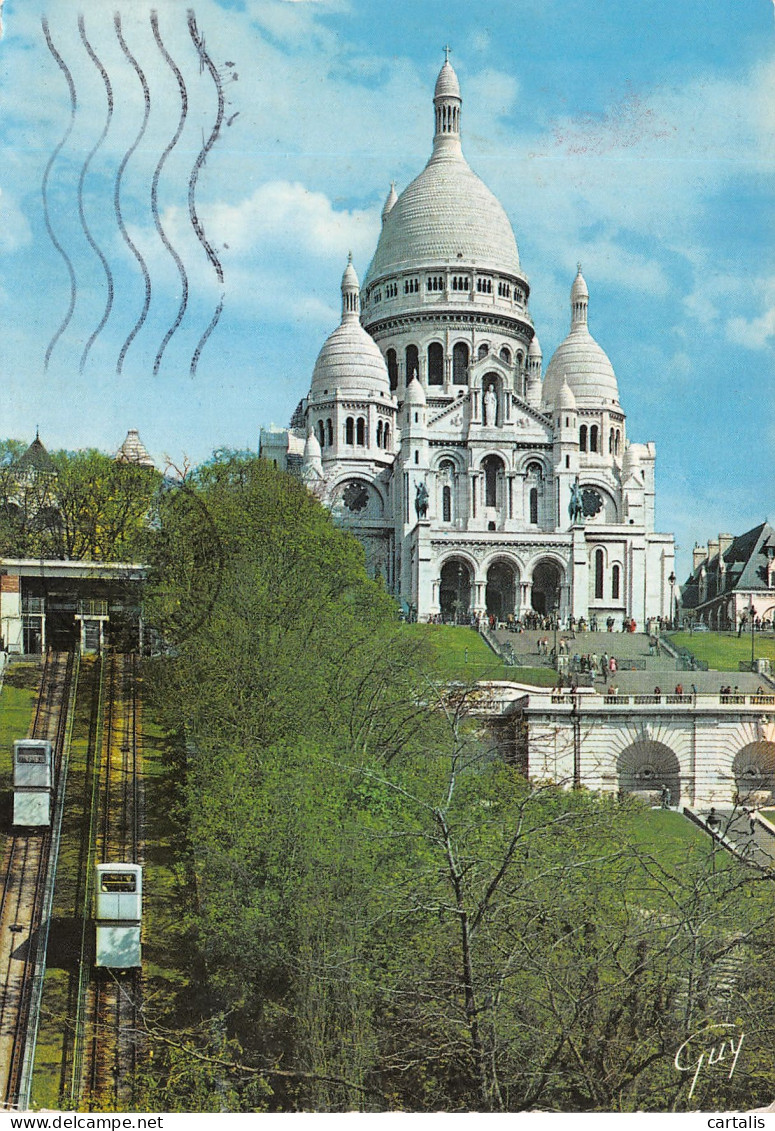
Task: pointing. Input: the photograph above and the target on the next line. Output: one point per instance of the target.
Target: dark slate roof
(745, 567)
(36, 458)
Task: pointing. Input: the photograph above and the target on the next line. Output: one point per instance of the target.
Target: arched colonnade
(501, 586)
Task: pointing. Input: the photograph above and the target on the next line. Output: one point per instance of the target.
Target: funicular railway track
(107, 1024)
(25, 871)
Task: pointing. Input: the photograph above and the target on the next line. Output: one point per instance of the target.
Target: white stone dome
(350, 359)
(566, 400)
(581, 360)
(447, 214)
(415, 394)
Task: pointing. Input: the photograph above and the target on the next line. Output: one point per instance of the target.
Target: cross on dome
(447, 50)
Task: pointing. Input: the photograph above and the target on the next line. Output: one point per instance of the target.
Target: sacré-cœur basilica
(476, 481)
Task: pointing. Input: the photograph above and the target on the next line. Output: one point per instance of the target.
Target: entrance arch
(754, 769)
(647, 765)
(500, 594)
(547, 579)
(455, 589)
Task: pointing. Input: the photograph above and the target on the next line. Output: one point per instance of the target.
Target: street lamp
(459, 591)
(753, 638)
(671, 580)
(555, 618)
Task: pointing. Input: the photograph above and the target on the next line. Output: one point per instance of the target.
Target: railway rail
(106, 1026)
(23, 908)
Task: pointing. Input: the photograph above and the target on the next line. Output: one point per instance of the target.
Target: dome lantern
(447, 103)
(351, 291)
(579, 300)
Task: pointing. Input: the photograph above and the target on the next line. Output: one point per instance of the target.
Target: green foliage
(77, 505)
(388, 915)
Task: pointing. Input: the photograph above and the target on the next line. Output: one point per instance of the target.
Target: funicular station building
(65, 604)
(477, 482)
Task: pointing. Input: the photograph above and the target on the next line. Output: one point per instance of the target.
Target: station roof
(73, 570)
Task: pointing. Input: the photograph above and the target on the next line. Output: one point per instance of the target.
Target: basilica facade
(477, 482)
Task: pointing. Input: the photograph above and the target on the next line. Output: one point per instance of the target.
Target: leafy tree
(389, 915)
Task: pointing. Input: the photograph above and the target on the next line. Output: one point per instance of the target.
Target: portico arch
(500, 593)
(754, 769)
(455, 587)
(547, 580)
(648, 765)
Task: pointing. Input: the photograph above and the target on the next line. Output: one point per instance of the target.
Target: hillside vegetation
(380, 914)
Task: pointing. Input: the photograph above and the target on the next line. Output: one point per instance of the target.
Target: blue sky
(637, 138)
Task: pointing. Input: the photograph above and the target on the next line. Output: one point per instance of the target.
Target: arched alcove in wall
(547, 579)
(455, 587)
(754, 769)
(647, 765)
(501, 591)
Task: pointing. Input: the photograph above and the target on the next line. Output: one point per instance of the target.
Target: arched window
(379, 433)
(583, 438)
(611, 442)
(412, 363)
(506, 355)
(361, 431)
(534, 506)
(598, 575)
(349, 430)
(329, 431)
(484, 349)
(460, 364)
(615, 582)
(593, 438)
(392, 368)
(435, 364)
(617, 438)
(446, 505)
(386, 437)
(493, 470)
(321, 434)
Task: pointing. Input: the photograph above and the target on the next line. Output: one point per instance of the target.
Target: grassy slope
(462, 654)
(722, 652)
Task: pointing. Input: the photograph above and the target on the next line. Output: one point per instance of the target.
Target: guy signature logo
(707, 1048)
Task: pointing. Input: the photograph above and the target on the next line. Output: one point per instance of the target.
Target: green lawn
(16, 705)
(462, 654)
(722, 651)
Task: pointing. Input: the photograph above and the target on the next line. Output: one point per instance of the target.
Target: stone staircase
(750, 837)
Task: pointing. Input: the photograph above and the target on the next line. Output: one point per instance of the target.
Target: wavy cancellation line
(92, 242)
(117, 195)
(155, 190)
(44, 191)
(205, 61)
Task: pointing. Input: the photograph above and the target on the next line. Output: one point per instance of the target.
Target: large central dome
(447, 214)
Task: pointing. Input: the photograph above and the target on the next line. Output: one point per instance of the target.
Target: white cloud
(14, 229)
(753, 333)
(282, 213)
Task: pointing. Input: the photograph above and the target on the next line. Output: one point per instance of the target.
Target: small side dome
(566, 401)
(631, 460)
(581, 361)
(415, 394)
(392, 197)
(350, 358)
(534, 349)
(447, 85)
(312, 447)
